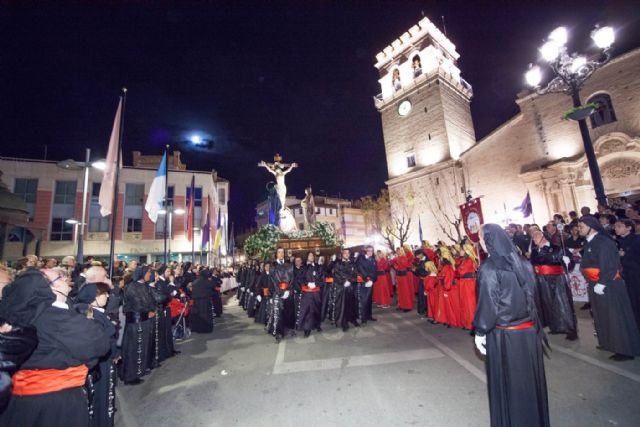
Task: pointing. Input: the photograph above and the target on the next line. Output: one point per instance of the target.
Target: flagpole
(114, 213)
(166, 203)
(193, 219)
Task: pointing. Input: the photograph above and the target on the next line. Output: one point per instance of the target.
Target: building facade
(434, 161)
(347, 219)
(53, 192)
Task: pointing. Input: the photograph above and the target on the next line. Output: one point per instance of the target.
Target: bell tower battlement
(424, 102)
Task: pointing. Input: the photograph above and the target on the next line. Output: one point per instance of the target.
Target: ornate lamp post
(570, 73)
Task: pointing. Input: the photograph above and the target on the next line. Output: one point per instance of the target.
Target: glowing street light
(570, 74)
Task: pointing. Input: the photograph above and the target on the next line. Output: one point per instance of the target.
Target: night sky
(256, 78)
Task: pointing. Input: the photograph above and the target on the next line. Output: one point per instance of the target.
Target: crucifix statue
(279, 170)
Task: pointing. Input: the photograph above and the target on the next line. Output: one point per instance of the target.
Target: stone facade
(535, 151)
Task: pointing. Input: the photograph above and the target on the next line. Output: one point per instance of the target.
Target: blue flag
(525, 207)
(156, 195)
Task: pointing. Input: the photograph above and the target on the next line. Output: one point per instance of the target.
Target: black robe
(102, 378)
(65, 339)
(136, 343)
(345, 303)
(217, 297)
(310, 298)
(262, 312)
(612, 314)
(282, 313)
(630, 260)
(366, 269)
(201, 316)
(328, 294)
(554, 299)
(296, 288)
(514, 361)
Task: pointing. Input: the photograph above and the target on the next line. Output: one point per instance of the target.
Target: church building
(434, 160)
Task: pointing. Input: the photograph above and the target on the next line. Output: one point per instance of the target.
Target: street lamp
(171, 212)
(570, 73)
(71, 164)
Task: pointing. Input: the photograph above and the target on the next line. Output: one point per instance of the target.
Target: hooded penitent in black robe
(296, 288)
(346, 311)
(101, 382)
(252, 299)
(555, 302)
(612, 314)
(136, 343)
(514, 362)
(201, 316)
(310, 300)
(160, 348)
(66, 341)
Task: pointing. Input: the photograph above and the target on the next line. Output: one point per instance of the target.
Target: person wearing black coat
(48, 390)
(202, 311)
(282, 313)
(139, 308)
(629, 245)
(554, 298)
(366, 269)
(101, 381)
(217, 293)
(296, 286)
(508, 332)
(310, 300)
(345, 277)
(613, 318)
(163, 292)
(265, 283)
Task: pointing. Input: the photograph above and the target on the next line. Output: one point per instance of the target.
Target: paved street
(398, 371)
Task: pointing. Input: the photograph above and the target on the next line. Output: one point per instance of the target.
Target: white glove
(347, 283)
(368, 284)
(599, 288)
(242, 288)
(259, 298)
(250, 293)
(286, 295)
(566, 260)
(311, 285)
(334, 257)
(174, 293)
(481, 343)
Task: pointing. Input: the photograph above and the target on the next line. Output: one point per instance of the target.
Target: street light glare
(162, 212)
(577, 63)
(550, 50)
(559, 35)
(178, 211)
(72, 221)
(603, 37)
(99, 164)
(533, 76)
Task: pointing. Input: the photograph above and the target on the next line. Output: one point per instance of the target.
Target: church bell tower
(424, 104)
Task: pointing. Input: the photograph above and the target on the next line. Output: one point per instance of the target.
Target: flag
(343, 224)
(157, 192)
(232, 242)
(216, 243)
(191, 209)
(420, 230)
(113, 162)
(525, 207)
(206, 229)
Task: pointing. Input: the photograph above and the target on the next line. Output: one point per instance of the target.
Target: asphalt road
(398, 371)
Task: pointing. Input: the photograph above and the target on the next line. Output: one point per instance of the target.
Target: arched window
(417, 65)
(605, 113)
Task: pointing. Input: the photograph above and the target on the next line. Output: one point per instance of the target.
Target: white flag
(157, 191)
(105, 199)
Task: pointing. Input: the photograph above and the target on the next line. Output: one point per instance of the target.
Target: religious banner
(471, 213)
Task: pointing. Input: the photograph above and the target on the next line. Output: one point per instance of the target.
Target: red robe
(450, 296)
(404, 287)
(467, 292)
(381, 293)
(430, 287)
